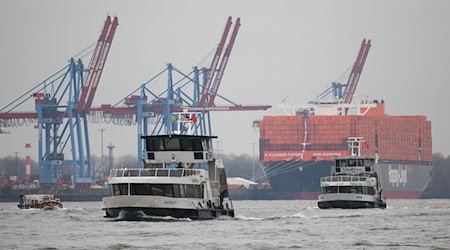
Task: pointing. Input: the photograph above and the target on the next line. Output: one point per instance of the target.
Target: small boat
(180, 178)
(353, 184)
(39, 201)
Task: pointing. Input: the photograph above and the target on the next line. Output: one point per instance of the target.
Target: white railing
(343, 178)
(156, 172)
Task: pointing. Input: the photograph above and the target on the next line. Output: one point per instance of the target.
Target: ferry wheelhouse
(353, 184)
(180, 178)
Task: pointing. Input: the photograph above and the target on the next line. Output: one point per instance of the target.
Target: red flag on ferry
(194, 118)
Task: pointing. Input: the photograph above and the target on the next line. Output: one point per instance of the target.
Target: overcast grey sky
(284, 48)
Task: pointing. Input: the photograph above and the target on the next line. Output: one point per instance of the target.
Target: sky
(284, 49)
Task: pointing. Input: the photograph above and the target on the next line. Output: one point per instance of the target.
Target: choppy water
(405, 224)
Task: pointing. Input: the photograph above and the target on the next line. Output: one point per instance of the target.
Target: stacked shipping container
(393, 138)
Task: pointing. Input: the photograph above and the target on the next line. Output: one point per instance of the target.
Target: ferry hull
(350, 201)
(140, 207)
(344, 204)
(142, 213)
(301, 179)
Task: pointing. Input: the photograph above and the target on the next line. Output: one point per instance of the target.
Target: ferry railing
(343, 178)
(208, 204)
(157, 172)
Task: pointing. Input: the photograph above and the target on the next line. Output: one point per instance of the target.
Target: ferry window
(149, 145)
(123, 189)
(190, 145)
(120, 189)
(370, 190)
(182, 194)
(333, 190)
(353, 190)
(172, 144)
(194, 191)
(355, 162)
(176, 190)
(161, 146)
(186, 144)
(188, 191)
(198, 191)
(327, 190)
(197, 145)
(168, 190)
(157, 189)
(154, 145)
(344, 189)
(140, 189)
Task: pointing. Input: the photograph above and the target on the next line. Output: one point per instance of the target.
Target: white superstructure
(180, 178)
(354, 183)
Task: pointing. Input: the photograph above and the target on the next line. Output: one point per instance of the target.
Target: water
(405, 224)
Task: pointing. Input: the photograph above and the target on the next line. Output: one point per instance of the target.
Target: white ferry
(353, 184)
(180, 179)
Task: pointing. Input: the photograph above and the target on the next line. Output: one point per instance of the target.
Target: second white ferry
(353, 184)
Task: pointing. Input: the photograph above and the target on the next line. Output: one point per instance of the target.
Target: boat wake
(141, 216)
(45, 209)
(281, 217)
(162, 218)
(71, 209)
(224, 217)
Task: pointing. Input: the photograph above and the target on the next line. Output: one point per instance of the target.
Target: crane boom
(356, 72)
(101, 64)
(93, 65)
(223, 64)
(215, 61)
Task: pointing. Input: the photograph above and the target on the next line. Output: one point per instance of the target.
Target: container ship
(296, 150)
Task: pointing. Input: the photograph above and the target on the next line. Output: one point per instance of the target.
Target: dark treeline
(15, 166)
(101, 168)
(439, 185)
(239, 165)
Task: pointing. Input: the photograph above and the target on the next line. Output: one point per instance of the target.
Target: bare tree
(12, 166)
(129, 161)
(97, 167)
(238, 165)
(440, 181)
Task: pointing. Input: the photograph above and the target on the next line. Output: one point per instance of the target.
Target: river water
(405, 224)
